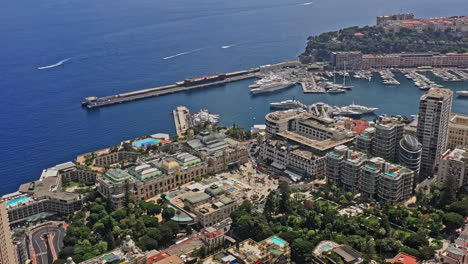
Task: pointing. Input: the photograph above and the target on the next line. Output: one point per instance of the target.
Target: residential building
(410, 153)
(374, 178)
(458, 131)
(128, 253)
(294, 160)
(273, 250)
(403, 258)
(350, 60)
(432, 131)
(388, 133)
(212, 236)
(462, 240)
(351, 170)
(370, 173)
(454, 255)
(208, 204)
(413, 60)
(454, 164)
(7, 254)
(333, 165)
(395, 183)
(348, 255)
(364, 141)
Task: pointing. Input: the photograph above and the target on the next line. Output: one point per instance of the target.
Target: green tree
(453, 221)
(168, 213)
(416, 240)
(301, 250)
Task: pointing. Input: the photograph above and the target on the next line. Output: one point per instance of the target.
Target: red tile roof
(404, 258)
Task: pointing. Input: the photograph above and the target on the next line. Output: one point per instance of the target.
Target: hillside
(376, 41)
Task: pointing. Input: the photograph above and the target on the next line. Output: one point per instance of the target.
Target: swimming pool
(19, 200)
(146, 142)
(335, 154)
(372, 167)
(278, 241)
(390, 174)
(327, 247)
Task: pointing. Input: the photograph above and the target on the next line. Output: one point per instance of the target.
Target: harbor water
(55, 52)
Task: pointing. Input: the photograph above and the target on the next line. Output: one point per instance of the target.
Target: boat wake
(228, 46)
(54, 65)
(308, 3)
(181, 54)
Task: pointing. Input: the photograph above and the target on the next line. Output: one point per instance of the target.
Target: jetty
(185, 85)
(182, 119)
(310, 86)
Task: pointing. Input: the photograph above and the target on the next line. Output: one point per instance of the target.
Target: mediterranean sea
(53, 53)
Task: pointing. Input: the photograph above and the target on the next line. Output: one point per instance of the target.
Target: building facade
(373, 178)
(454, 164)
(350, 60)
(432, 130)
(7, 255)
(146, 181)
(297, 143)
(458, 131)
(410, 153)
(387, 19)
(388, 133)
(413, 60)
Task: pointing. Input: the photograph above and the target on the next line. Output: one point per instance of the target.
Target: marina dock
(185, 85)
(182, 119)
(310, 86)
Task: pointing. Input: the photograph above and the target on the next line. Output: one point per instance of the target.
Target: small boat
(462, 93)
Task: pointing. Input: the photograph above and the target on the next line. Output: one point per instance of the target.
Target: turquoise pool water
(335, 154)
(372, 167)
(365, 135)
(146, 142)
(327, 247)
(390, 174)
(19, 200)
(278, 241)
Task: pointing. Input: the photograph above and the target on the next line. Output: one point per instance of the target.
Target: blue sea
(53, 53)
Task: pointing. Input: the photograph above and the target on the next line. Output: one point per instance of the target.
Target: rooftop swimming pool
(146, 142)
(365, 135)
(19, 200)
(335, 154)
(371, 167)
(390, 174)
(278, 241)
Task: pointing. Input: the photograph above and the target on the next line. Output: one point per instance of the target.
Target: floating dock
(185, 85)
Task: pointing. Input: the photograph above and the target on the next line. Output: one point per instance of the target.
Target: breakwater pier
(187, 84)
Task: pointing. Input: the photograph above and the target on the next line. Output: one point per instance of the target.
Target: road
(42, 252)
